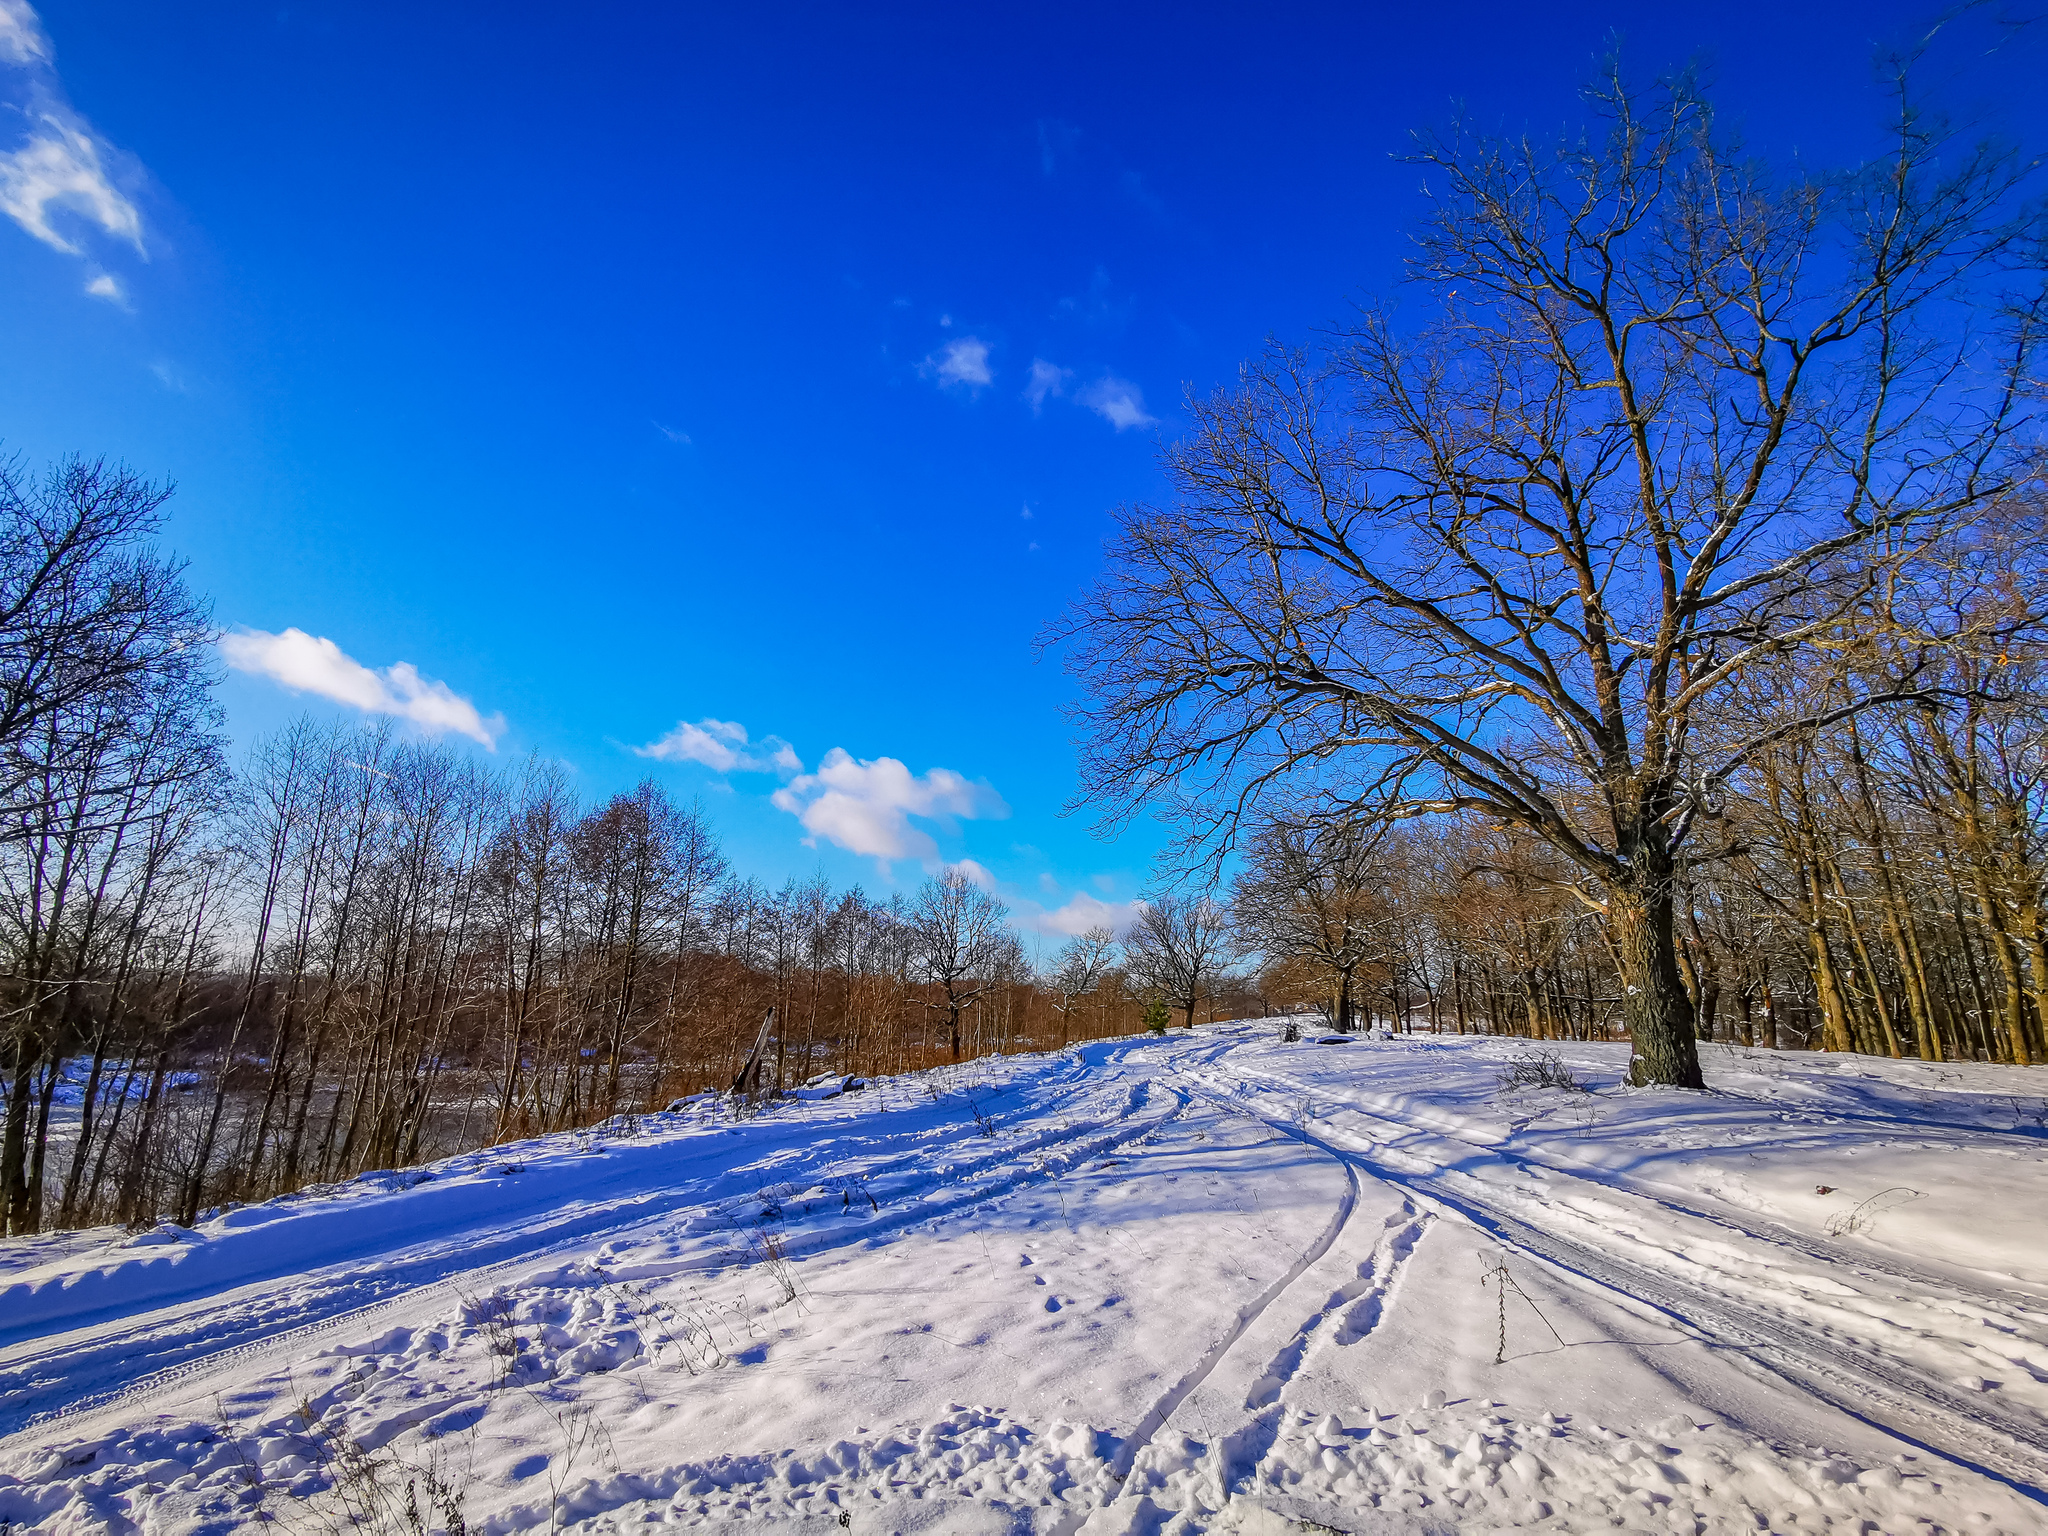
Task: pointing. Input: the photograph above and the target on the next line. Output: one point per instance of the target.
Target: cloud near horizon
(61, 164)
(723, 745)
(1077, 916)
(308, 664)
(865, 805)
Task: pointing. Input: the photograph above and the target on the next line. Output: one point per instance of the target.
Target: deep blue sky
(594, 360)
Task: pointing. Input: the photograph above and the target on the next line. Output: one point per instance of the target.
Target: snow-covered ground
(1214, 1282)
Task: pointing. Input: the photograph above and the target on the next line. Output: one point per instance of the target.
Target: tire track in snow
(1728, 1226)
(1779, 1239)
(1156, 1418)
(1866, 1386)
(199, 1325)
(1361, 1301)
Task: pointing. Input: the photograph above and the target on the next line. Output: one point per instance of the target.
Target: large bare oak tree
(1671, 420)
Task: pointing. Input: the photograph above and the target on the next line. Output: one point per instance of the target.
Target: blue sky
(622, 377)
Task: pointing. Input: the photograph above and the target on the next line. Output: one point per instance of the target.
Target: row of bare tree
(1880, 888)
(359, 951)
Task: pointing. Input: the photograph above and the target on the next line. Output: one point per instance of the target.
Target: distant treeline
(1877, 887)
(359, 952)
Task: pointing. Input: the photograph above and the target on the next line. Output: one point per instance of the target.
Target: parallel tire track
(1865, 1385)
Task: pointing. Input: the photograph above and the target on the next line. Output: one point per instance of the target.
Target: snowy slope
(1216, 1282)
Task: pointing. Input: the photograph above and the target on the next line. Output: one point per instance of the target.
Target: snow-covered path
(1211, 1282)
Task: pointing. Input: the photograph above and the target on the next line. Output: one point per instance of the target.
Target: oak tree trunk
(1654, 1003)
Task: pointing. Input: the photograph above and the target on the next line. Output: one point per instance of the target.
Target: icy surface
(1211, 1282)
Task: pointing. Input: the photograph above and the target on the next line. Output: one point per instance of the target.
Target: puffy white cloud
(22, 39)
(976, 872)
(865, 806)
(1045, 379)
(106, 286)
(59, 167)
(309, 664)
(1118, 402)
(723, 745)
(1077, 916)
(963, 362)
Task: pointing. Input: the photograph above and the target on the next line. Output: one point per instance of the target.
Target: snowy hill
(1213, 1282)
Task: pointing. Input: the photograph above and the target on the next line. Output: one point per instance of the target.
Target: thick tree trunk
(1654, 1003)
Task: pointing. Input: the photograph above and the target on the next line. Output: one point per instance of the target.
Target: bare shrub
(1862, 1216)
(982, 1118)
(387, 1492)
(1539, 1069)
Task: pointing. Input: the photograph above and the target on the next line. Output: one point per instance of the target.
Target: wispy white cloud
(60, 166)
(308, 664)
(723, 745)
(671, 433)
(866, 806)
(961, 363)
(1056, 141)
(22, 39)
(1118, 402)
(1077, 916)
(107, 286)
(1044, 380)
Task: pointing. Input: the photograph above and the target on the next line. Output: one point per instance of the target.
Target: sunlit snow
(1219, 1281)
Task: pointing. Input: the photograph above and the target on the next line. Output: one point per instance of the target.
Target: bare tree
(1315, 890)
(1084, 963)
(97, 633)
(87, 605)
(1179, 946)
(1675, 423)
(529, 880)
(958, 943)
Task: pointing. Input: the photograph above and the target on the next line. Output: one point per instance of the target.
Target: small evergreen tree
(1156, 1015)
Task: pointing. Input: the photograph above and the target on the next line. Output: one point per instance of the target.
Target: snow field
(1214, 1283)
